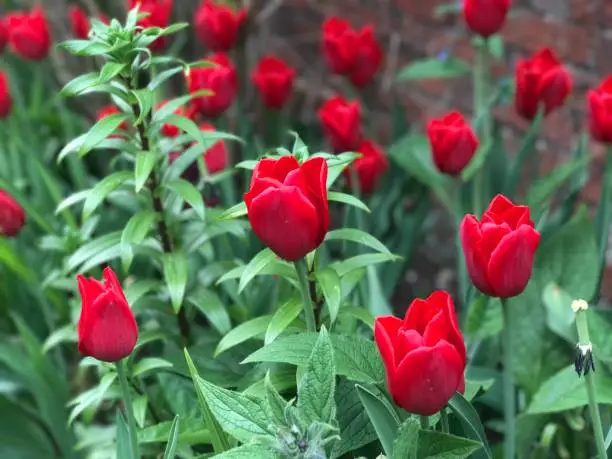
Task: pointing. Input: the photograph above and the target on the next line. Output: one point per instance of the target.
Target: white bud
(579, 305)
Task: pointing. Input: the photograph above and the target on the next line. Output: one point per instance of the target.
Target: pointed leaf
(175, 273)
(255, 266)
(246, 330)
(283, 317)
(102, 189)
(470, 421)
(189, 194)
(170, 452)
(145, 163)
(331, 286)
(383, 417)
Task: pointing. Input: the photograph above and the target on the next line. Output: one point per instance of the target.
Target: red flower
(274, 79)
(108, 110)
(170, 130)
(287, 205)
(453, 142)
(341, 123)
(541, 80)
(424, 354)
(368, 58)
(485, 17)
(599, 102)
(500, 248)
(159, 16)
(4, 35)
(220, 79)
(12, 215)
(370, 167)
(217, 25)
(107, 328)
(29, 35)
(6, 100)
(79, 22)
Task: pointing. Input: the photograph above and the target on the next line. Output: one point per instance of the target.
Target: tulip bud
(29, 35)
(370, 167)
(599, 107)
(6, 100)
(485, 17)
(4, 35)
(107, 329)
(341, 121)
(287, 205)
(220, 79)
(12, 215)
(500, 248)
(368, 58)
(541, 80)
(159, 12)
(274, 80)
(424, 355)
(217, 25)
(79, 22)
(453, 143)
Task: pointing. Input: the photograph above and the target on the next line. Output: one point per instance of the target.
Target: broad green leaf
(358, 236)
(250, 451)
(175, 274)
(124, 448)
(336, 165)
(316, 388)
(255, 266)
(138, 289)
(170, 452)
(559, 315)
(283, 317)
(331, 286)
(110, 70)
(148, 364)
(100, 131)
(361, 261)
(145, 163)
(413, 154)
(470, 421)
(91, 397)
(407, 442)
(382, 415)
(358, 313)
(102, 189)
(356, 358)
(566, 391)
(189, 194)
(439, 445)
(246, 330)
(209, 304)
(139, 405)
(276, 404)
(348, 199)
(84, 47)
(472, 388)
(434, 68)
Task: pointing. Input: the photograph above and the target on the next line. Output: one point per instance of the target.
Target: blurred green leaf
(358, 236)
(102, 189)
(247, 330)
(145, 163)
(283, 317)
(382, 415)
(439, 445)
(348, 199)
(209, 303)
(149, 364)
(331, 286)
(189, 194)
(255, 266)
(100, 131)
(407, 441)
(173, 439)
(470, 421)
(175, 274)
(434, 68)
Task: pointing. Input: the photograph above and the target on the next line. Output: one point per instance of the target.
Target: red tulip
(29, 35)
(6, 100)
(12, 215)
(341, 123)
(108, 110)
(339, 45)
(170, 130)
(220, 79)
(79, 22)
(159, 12)
(370, 167)
(485, 17)
(424, 354)
(541, 80)
(217, 25)
(500, 248)
(453, 143)
(274, 79)
(599, 102)
(4, 35)
(287, 205)
(107, 328)
(368, 58)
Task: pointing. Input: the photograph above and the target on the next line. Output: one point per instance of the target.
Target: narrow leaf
(383, 417)
(175, 274)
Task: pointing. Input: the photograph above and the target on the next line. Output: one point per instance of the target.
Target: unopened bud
(579, 305)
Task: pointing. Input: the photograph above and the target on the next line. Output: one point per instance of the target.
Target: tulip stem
(127, 406)
(603, 219)
(481, 118)
(509, 391)
(424, 422)
(444, 421)
(302, 271)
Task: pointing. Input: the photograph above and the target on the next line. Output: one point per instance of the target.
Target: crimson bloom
(12, 215)
(6, 100)
(370, 167)
(107, 329)
(29, 35)
(368, 58)
(599, 105)
(341, 121)
(79, 22)
(287, 205)
(220, 79)
(424, 354)
(500, 248)
(159, 12)
(453, 142)
(274, 79)
(541, 80)
(4, 35)
(485, 17)
(217, 25)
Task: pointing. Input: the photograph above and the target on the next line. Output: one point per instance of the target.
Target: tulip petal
(112, 283)
(314, 172)
(418, 315)
(476, 263)
(386, 329)
(442, 300)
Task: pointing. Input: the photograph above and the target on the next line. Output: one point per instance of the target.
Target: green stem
(481, 87)
(302, 272)
(603, 217)
(424, 422)
(127, 405)
(444, 421)
(356, 189)
(509, 391)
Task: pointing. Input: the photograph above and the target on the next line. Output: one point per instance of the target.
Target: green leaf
(189, 194)
(356, 358)
(65, 334)
(186, 125)
(100, 131)
(170, 451)
(407, 442)
(124, 449)
(110, 70)
(382, 415)
(470, 421)
(102, 189)
(348, 199)
(361, 261)
(255, 266)
(438, 445)
(276, 404)
(559, 315)
(145, 98)
(358, 236)
(92, 249)
(336, 165)
(138, 289)
(145, 163)
(134, 233)
(140, 409)
(331, 286)
(316, 388)
(566, 391)
(283, 317)
(161, 77)
(246, 330)
(479, 159)
(79, 84)
(484, 317)
(209, 304)
(473, 388)
(71, 200)
(238, 210)
(413, 154)
(148, 364)
(425, 69)
(249, 451)
(175, 274)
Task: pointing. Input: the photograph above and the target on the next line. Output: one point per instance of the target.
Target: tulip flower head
(274, 80)
(370, 167)
(341, 120)
(29, 35)
(220, 78)
(599, 107)
(12, 215)
(453, 143)
(485, 17)
(158, 15)
(4, 35)
(217, 25)
(6, 100)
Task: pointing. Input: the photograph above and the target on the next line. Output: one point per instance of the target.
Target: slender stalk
(356, 190)
(127, 405)
(424, 422)
(444, 421)
(603, 217)
(509, 391)
(302, 272)
(587, 368)
(480, 82)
